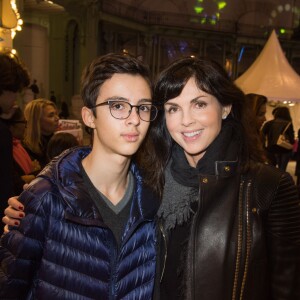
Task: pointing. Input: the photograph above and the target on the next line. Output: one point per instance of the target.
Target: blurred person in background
(24, 169)
(42, 121)
(271, 130)
(59, 142)
(13, 78)
(35, 89)
(256, 105)
(64, 111)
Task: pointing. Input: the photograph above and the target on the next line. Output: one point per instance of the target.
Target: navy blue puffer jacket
(63, 250)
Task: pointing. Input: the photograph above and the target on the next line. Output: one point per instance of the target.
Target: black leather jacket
(245, 236)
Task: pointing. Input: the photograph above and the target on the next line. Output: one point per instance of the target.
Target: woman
(24, 169)
(42, 121)
(282, 123)
(231, 224)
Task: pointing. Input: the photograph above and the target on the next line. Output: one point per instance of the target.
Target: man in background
(14, 78)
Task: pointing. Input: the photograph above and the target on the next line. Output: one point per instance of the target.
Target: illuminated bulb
(198, 9)
(221, 5)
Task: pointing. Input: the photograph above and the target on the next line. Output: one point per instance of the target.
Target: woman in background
(24, 169)
(42, 121)
(271, 131)
(258, 104)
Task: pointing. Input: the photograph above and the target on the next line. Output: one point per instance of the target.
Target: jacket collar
(65, 173)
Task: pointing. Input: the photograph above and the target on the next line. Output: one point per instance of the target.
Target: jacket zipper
(195, 218)
(239, 245)
(248, 240)
(240, 241)
(166, 250)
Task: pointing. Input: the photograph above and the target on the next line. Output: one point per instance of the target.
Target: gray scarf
(176, 203)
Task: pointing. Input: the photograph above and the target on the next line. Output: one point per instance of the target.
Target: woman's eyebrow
(192, 100)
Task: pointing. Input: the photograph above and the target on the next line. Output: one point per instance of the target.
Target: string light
(19, 20)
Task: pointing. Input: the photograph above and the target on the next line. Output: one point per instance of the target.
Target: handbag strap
(285, 129)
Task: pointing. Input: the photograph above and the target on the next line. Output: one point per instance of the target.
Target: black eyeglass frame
(109, 102)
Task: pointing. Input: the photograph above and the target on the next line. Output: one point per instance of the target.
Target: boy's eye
(117, 105)
(145, 107)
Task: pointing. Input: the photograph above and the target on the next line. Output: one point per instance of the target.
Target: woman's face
(261, 116)
(49, 120)
(194, 120)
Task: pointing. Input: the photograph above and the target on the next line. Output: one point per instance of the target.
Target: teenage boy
(89, 230)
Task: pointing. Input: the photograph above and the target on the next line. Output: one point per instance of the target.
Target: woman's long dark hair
(212, 79)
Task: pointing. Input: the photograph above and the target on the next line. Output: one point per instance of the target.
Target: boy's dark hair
(14, 77)
(103, 68)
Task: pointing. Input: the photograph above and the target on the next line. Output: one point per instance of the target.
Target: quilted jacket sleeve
(283, 224)
(21, 249)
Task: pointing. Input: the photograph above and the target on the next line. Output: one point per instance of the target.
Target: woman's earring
(224, 116)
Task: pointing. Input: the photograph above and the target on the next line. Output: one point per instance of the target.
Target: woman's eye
(171, 109)
(200, 104)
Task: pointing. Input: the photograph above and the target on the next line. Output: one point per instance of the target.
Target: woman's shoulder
(264, 171)
(268, 181)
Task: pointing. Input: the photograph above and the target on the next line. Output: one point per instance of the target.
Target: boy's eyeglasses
(121, 110)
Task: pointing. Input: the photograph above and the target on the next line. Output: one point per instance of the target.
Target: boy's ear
(88, 117)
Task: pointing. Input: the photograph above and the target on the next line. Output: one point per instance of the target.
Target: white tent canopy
(271, 75)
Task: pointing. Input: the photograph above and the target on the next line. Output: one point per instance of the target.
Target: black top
(114, 218)
(41, 158)
(6, 167)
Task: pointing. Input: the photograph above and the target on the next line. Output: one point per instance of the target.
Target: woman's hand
(13, 213)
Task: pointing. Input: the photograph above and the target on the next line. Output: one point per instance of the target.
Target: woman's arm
(283, 227)
(21, 249)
